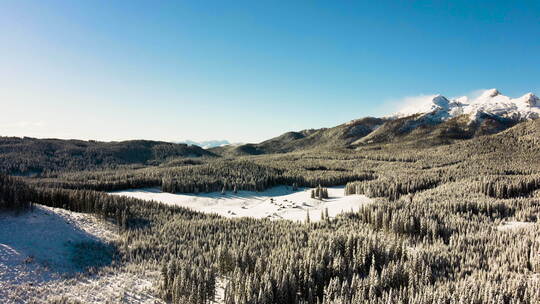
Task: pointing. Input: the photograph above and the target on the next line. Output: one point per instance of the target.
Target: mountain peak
(530, 99)
(440, 100)
(490, 93)
(423, 104)
(490, 102)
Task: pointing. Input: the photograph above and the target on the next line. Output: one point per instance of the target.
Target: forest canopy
(431, 236)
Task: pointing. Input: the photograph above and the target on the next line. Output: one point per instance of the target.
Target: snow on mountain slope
(40, 261)
(490, 102)
(40, 240)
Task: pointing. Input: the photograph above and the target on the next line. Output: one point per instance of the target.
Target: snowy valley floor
(275, 203)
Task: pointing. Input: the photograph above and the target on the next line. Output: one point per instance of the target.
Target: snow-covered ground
(514, 225)
(275, 203)
(116, 285)
(40, 245)
(39, 261)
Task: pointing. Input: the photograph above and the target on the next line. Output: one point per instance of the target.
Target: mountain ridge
(436, 120)
(489, 102)
(27, 156)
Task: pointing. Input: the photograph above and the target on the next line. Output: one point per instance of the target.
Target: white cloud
(408, 104)
(415, 104)
(471, 95)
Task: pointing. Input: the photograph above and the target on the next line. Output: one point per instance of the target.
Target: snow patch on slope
(36, 265)
(42, 246)
(38, 245)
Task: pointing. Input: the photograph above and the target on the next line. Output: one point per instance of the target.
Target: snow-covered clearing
(514, 225)
(41, 259)
(275, 203)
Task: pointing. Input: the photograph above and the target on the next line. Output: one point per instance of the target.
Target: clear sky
(248, 70)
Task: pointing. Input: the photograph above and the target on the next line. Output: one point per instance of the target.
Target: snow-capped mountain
(426, 121)
(490, 103)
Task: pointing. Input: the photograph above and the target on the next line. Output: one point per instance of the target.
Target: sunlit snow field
(275, 203)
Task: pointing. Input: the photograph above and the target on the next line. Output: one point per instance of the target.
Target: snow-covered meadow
(275, 203)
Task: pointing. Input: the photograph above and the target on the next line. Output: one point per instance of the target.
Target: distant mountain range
(436, 120)
(489, 103)
(206, 144)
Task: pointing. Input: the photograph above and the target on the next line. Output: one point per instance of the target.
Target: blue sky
(248, 70)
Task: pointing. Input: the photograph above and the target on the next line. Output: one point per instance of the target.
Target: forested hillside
(393, 164)
(31, 156)
(314, 139)
(440, 230)
(47, 157)
(438, 122)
